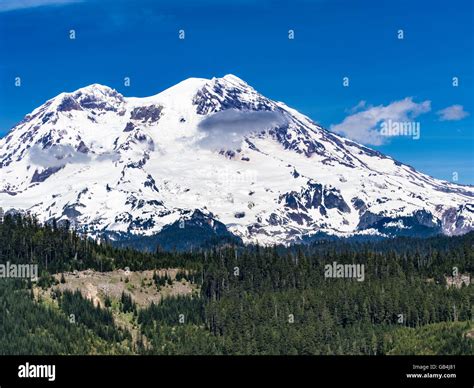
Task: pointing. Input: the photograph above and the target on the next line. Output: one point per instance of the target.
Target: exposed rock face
(144, 114)
(45, 174)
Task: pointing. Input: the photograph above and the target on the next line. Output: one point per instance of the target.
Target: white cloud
(363, 126)
(226, 129)
(12, 5)
(452, 113)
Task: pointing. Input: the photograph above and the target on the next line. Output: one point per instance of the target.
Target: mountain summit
(214, 156)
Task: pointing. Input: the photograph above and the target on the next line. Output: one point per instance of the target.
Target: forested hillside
(251, 300)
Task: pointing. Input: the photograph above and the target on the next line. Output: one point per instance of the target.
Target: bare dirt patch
(96, 286)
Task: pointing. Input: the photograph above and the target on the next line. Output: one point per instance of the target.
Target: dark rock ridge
(194, 231)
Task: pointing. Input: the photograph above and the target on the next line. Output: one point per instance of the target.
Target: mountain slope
(132, 166)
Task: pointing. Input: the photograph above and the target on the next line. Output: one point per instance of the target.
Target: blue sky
(406, 79)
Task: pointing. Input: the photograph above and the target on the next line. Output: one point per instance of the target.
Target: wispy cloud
(363, 126)
(13, 5)
(452, 113)
(59, 155)
(361, 105)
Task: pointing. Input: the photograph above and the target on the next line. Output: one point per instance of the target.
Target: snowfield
(271, 175)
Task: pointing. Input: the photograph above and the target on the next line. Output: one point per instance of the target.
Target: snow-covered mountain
(215, 154)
